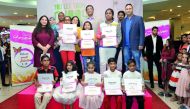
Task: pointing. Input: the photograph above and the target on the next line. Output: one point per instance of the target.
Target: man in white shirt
(153, 46)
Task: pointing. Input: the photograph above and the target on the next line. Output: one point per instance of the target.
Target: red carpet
(157, 103)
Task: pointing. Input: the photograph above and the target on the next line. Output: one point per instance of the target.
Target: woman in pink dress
(43, 41)
(184, 78)
(167, 57)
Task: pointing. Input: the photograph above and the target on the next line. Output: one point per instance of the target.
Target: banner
(22, 54)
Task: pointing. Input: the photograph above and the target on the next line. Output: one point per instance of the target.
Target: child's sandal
(173, 99)
(179, 102)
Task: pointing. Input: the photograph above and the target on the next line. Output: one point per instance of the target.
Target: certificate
(45, 88)
(109, 31)
(67, 33)
(71, 75)
(69, 28)
(69, 85)
(92, 80)
(112, 83)
(133, 87)
(92, 90)
(113, 92)
(109, 41)
(68, 38)
(87, 44)
(87, 34)
(112, 86)
(45, 78)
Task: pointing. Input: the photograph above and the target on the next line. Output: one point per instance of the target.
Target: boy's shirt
(132, 75)
(110, 74)
(51, 69)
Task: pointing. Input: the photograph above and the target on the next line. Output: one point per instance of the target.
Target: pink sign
(163, 31)
(21, 37)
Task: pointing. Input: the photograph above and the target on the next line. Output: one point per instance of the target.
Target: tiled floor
(172, 105)
(7, 92)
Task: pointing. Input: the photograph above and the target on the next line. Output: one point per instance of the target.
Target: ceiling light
(27, 15)
(178, 15)
(164, 10)
(179, 6)
(15, 13)
(152, 17)
(171, 10)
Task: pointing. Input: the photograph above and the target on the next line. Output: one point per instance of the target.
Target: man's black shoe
(5, 85)
(161, 86)
(152, 85)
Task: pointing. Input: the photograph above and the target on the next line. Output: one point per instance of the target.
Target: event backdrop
(77, 7)
(22, 54)
(164, 32)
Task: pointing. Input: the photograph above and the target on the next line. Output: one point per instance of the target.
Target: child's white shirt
(110, 74)
(132, 75)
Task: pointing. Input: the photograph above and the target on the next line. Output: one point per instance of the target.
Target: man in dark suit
(153, 45)
(133, 32)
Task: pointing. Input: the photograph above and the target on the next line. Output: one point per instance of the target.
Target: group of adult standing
(130, 38)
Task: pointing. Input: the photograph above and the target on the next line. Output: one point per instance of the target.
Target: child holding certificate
(112, 72)
(87, 53)
(68, 91)
(91, 100)
(133, 74)
(108, 37)
(67, 50)
(45, 69)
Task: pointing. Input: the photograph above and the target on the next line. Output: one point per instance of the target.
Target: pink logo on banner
(21, 37)
(163, 31)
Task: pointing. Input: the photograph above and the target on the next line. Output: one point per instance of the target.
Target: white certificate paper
(112, 86)
(45, 88)
(92, 80)
(92, 90)
(71, 75)
(109, 41)
(45, 78)
(87, 34)
(87, 44)
(67, 33)
(133, 87)
(69, 85)
(109, 31)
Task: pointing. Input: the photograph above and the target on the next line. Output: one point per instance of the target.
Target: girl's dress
(174, 77)
(66, 97)
(90, 102)
(181, 86)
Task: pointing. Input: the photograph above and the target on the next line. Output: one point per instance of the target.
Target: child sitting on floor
(45, 69)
